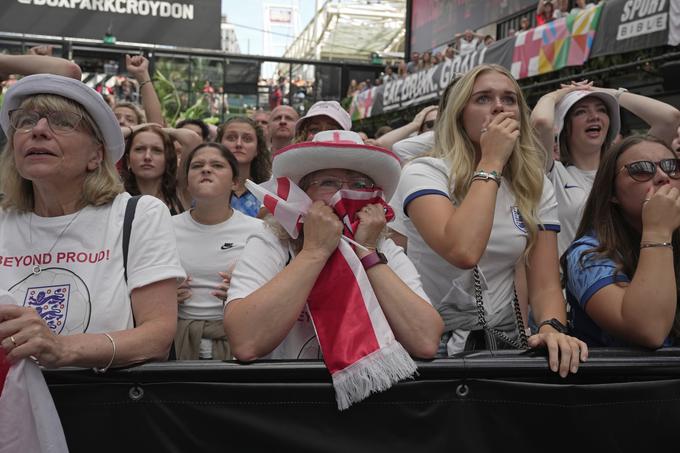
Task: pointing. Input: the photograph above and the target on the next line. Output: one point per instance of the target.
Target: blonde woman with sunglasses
(622, 271)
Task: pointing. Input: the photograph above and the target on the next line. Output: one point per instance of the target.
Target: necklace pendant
(36, 270)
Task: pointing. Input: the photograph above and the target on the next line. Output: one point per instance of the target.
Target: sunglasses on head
(644, 170)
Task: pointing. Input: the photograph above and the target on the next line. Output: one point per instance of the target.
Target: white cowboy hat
(338, 149)
(74, 90)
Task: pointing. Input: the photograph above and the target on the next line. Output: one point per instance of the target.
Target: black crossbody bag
(489, 338)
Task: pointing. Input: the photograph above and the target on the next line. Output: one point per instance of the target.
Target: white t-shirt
(205, 250)
(576, 10)
(266, 255)
(452, 287)
(81, 287)
(465, 47)
(398, 223)
(572, 187)
(411, 147)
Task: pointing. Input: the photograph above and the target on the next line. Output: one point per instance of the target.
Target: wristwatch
(372, 259)
(619, 92)
(555, 324)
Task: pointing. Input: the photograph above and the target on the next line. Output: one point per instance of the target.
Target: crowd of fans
(279, 89)
(456, 222)
(469, 41)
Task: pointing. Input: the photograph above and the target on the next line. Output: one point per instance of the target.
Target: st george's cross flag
(356, 341)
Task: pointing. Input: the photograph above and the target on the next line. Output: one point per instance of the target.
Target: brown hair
(261, 166)
(169, 177)
(563, 138)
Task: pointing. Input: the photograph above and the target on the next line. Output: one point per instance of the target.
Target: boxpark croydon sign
(185, 23)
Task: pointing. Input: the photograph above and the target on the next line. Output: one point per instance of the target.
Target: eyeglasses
(644, 170)
(61, 122)
(331, 184)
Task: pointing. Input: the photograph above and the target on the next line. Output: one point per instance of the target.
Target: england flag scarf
(356, 341)
(28, 419)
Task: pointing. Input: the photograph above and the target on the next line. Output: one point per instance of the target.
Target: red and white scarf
(28, 418)
(356, 340)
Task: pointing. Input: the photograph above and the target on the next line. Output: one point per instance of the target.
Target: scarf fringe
(374, 373)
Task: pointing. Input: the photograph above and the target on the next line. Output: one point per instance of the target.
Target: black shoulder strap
(127, 228)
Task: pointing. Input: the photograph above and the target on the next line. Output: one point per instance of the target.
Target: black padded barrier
(620, 400)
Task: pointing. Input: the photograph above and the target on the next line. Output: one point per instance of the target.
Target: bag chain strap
(518, 344)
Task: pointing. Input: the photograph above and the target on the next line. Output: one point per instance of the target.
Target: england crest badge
(51, 303)
(517, 219)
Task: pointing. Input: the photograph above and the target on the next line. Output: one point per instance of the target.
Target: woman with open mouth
(88, 294)
(582, 121)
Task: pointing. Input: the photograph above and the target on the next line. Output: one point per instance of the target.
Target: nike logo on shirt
(567, 186)
(227, 246)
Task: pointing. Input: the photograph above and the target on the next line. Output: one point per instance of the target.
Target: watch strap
(372, 259)
(555, 324)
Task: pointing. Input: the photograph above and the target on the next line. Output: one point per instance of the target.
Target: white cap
(612, 104)
(331, 109)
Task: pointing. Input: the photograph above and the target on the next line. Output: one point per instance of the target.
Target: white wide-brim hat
(76, 91)
(338, 149)
(612, 104)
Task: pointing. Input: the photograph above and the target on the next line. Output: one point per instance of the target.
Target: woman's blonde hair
(100, 186)
(524, 169)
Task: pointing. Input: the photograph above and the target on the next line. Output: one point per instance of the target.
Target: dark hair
(422, 125)
(169, 178)
(605, 220)
(261, 166)
(228, 156)
(205, 130)
(382, 130)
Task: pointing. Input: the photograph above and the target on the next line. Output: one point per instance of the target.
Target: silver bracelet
(482, 175)
(113, 356)
(646, 245)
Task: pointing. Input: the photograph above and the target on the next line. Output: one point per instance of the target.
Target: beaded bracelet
(144, 83)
